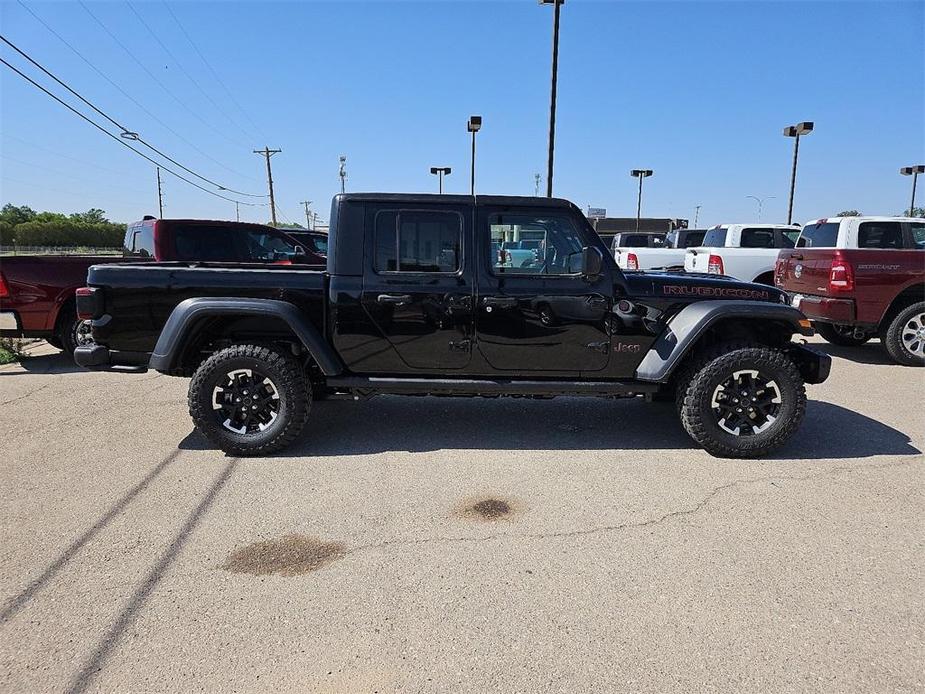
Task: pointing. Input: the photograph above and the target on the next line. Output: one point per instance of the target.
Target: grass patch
(9, 352)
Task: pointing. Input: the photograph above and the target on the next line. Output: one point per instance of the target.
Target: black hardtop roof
(531, 200)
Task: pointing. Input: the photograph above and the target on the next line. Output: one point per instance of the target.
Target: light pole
(640, 174)
(552, 92)
(536, 185)
(441, 171)
(342, 172)
(473, 125)
(794, 131)
(913, 171)
(696, 214)
(760, 202)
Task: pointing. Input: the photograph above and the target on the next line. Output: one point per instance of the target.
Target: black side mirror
(592, 262)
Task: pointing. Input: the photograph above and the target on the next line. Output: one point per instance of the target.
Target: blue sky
(697, 91)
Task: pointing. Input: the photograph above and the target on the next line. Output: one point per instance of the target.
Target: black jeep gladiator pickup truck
(418, 300)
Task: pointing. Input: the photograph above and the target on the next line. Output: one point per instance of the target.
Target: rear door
(417, 286)
(545, 318)
(805, 268)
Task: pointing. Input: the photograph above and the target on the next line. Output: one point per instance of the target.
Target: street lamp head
(552, 2)
(803, 128)
(641, 173)
(445, 170)
(909, 170)
(474, 124)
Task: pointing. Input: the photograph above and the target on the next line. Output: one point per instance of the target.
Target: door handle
(393, 298)
(796, 256)
(490, 302)
(596, 300)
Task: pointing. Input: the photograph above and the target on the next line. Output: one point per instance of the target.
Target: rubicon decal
(716, 292)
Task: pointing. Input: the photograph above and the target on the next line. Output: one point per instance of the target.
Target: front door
(417, 291)
(536, 314)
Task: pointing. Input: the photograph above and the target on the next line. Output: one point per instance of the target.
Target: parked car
(669, 256)
(413, 302)
(747, 252)
(37, 292)
(861, 277)
(638, 239)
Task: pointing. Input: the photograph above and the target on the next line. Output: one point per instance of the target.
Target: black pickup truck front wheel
(744, 403)
(249, 399)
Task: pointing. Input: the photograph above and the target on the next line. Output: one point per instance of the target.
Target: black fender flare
(690, 323)
(189, 312)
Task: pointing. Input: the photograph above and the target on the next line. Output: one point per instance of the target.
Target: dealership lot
(458, 543)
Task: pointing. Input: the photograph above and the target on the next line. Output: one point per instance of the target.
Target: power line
(126, 133)
(151, 74)
(129, 96)
(211, 69)
(153, 34)
(120, 141)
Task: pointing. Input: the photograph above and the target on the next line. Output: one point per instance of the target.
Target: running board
(464, 386)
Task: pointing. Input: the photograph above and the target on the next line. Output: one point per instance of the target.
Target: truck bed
(143, 296)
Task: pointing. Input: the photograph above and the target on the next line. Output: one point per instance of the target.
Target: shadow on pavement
(869, 353)
(45, 364)
(395, 423)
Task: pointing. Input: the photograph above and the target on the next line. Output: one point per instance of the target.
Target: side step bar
(464, 386)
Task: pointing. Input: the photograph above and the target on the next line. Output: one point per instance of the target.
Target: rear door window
(418, 241)
(917, 229)
(823, 235)
(880, 235)
(715, 238)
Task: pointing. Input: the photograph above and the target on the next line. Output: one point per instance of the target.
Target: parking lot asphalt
(424, 544)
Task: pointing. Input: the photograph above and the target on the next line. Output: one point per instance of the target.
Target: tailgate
(697, 259)
(804, 270)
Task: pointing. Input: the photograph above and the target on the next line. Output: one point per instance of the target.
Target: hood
(699, 286)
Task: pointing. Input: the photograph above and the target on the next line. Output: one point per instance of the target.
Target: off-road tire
(830, 334)
(896, 347)
(286, 376)
(697, 361)
(699, 420)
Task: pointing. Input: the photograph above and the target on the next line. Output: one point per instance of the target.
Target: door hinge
(602, 347)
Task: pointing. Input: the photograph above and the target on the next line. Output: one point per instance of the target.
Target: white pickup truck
(665, 255)
(745, 251)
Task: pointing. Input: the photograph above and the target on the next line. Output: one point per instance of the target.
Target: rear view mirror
(592, 262)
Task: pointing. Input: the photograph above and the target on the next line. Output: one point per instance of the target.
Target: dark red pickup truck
(37, 292)
(858, 278)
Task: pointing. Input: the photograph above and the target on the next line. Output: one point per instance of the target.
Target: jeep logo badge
(798, 271)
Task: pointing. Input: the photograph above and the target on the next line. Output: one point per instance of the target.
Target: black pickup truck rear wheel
(249, 399)
(744, 403)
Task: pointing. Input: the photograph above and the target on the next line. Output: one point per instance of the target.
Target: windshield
(715, 238)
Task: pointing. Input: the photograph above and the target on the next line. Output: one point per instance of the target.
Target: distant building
(607, 227)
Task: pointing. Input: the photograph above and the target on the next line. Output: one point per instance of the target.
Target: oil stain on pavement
(487, 509)
(290, 555)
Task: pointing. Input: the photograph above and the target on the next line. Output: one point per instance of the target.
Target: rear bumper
(828, 310)
(100, 358)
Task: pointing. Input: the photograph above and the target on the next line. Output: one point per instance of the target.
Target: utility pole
(237, 211)
(160, 195)
(308, 217)
(343, 173)
(267, 152)
(536, 185)
(696, 214)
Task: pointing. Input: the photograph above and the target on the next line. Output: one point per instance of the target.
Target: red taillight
(715, 265)
(841, 274)
(4, 290)
(632, 262)
(85, 309)
(779, 271)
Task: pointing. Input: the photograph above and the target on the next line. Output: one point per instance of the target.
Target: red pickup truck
(861, 277)
(37, 292)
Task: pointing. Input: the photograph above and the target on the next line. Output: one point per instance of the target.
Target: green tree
(92, 216)
(849, 213)
(914, 212)
(7, 238)
(16, 215)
